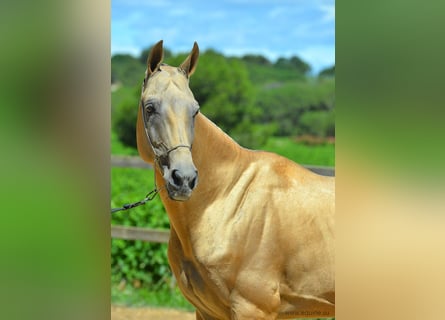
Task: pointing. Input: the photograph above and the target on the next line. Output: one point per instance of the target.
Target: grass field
(321, 155)
(142, 297)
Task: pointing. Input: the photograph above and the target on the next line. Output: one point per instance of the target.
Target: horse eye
(149, 108)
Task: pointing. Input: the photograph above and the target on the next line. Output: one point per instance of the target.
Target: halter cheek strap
(159, 157)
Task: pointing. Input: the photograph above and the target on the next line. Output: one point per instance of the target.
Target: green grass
(142, 297)
(321, 155)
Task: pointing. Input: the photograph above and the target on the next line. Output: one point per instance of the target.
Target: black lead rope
(150, 196)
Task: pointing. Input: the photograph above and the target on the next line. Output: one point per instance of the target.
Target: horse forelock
(160, 81)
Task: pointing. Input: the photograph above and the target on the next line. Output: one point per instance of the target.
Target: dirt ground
(124, 313)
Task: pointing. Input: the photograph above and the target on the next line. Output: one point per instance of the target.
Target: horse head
(166, 117)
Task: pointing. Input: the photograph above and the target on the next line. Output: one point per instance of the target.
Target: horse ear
(190, 63)
(155, 58)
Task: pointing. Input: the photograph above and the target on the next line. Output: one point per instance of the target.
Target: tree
(300, 65)
(282, 63)
(127, 69)
(124, 117)
(293, 62)
(318, 123)
(256, 59)
(327, 72)
(285, 104)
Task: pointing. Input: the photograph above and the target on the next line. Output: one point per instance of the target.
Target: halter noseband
(178, 146)
(159, 159)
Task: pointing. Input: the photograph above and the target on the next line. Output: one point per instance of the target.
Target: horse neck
(218, 160)
(213, 149)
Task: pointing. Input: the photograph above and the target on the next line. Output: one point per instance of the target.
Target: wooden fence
(162, 236)
(136, 233)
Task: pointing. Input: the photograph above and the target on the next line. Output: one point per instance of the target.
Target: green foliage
(253, 135)
(138, 262)
(294, 63)
(127, 70)
(328, 72)
(124, 116)
(256, 59)
(124, 95)
(117, 147)
(318, 123)
(260, 74)
(284, 104)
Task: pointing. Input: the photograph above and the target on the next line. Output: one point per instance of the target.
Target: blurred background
(266, 76)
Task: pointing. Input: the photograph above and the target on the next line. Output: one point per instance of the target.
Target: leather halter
(159, 158)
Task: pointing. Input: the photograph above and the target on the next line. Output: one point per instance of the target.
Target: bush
(124, 117)
(285, 103)
(253, 136)
(318, 123)
(126, 70)
(138, 263)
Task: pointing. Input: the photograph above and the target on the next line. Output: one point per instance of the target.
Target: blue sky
(279, 28)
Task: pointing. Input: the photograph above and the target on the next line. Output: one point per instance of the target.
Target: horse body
(252, 239)
(255, 239)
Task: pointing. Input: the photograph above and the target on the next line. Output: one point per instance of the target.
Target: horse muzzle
(180, 182)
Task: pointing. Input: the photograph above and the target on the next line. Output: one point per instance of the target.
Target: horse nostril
(177, 178)
(192, 182)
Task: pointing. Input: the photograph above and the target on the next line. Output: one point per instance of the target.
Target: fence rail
(129, 162)
(136, 162)
(162, 236)
(136, 233)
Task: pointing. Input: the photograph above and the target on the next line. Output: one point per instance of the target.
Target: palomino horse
(254, 237)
